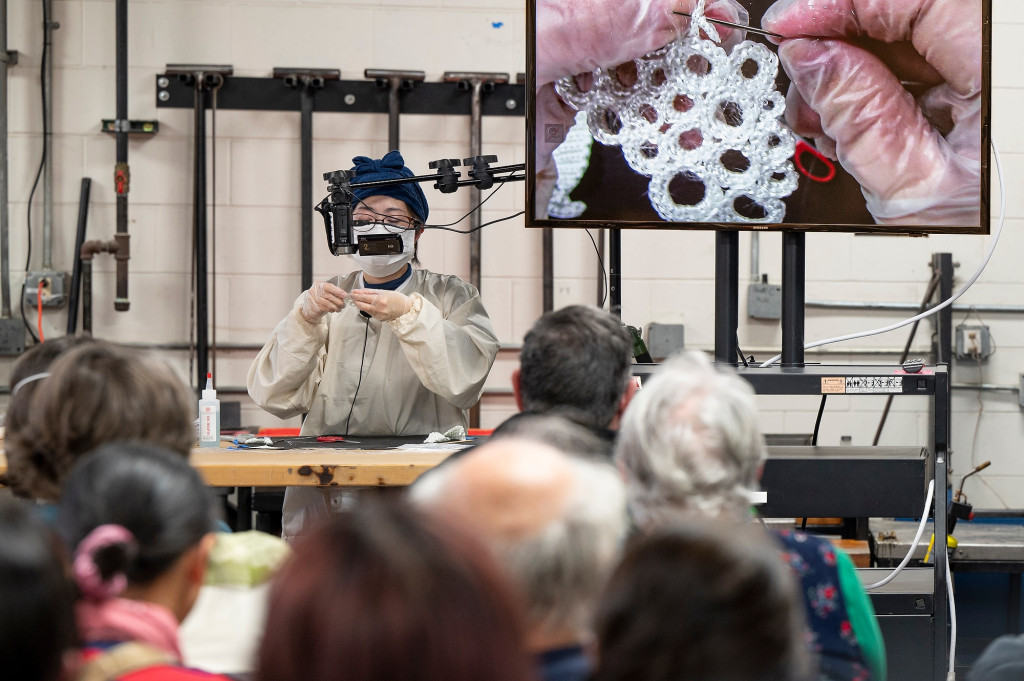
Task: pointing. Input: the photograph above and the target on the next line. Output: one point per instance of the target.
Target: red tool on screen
(330, 438)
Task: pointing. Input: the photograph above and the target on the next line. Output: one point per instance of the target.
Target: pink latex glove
(916, 159)
(381, 304)
(321, 298)
(577, 36)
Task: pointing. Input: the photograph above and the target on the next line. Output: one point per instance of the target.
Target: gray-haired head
(555, 518)
(575, 362)
(690, 443)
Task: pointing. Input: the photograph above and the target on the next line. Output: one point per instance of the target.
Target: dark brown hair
(384, 593)
(96, 392)
(37, 624)
(702, 601)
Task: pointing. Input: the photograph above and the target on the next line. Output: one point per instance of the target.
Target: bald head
(555, 520)
(511, 488)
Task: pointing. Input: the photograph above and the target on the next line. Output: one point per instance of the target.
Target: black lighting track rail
(343, 96)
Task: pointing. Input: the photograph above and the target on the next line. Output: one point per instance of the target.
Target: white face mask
(386, 265)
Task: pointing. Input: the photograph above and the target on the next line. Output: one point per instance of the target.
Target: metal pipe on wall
(475, 143)
(475, 83)
(49, 25)
(306, 183)
(76, 271)
(121, 174)
(307, 81)
(199, 232)
(5, 252)
(395, 81)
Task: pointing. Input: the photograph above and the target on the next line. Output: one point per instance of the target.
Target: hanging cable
(951, 675)
(600, 263)
(42, 164)
(932, 285)
(944, 304)
(817, 421)
(362, 361)
(913, 544)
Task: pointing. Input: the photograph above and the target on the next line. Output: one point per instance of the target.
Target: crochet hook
(742, 27)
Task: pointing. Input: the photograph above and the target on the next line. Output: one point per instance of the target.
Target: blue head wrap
(391, 166)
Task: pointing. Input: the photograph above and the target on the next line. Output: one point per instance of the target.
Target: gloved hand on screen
(917, 159)
(577, 37)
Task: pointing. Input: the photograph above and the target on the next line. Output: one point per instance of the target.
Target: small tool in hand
(741, 27)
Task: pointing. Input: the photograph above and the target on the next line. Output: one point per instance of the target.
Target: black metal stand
(943, 264)
(793, 296)
(807, 474)
(615, 272)
(548, 268)
(727, 291)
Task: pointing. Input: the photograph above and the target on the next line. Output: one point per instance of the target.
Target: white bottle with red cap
(209, 416)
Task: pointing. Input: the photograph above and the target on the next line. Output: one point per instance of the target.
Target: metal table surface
(989, 547)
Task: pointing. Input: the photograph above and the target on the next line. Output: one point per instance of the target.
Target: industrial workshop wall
(668, 277)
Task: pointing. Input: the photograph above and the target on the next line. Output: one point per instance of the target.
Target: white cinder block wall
(667, 276)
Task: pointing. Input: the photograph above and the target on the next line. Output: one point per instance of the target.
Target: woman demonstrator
(387, 350)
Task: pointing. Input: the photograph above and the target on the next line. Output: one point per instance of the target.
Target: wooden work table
(315, 466)
(323, 467)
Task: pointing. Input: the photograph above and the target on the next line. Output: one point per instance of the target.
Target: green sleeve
(862, 615)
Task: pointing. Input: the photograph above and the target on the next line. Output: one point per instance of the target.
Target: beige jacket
(420, 372)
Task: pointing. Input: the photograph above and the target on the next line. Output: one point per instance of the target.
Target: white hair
(562, 567)
(690, 442)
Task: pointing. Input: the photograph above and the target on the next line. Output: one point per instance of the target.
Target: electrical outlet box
(12, 336)
(664, 339)
(764, 301)
(54, 292)
(973, 343)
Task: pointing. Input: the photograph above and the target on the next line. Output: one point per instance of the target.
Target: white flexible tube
(951, 676)
(913, 544)
(944, 304)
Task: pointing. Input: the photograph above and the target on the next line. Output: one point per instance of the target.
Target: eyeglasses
(395, 224)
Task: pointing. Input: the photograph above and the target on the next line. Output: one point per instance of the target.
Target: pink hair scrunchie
(87, 573)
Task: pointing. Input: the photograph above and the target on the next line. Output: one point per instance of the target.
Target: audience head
(690, 443)
(382, 593)
(37, 623)
(139, 519)
(96, 392)
(26, 373)
(554, 518)
(575, 362)
(702, 600)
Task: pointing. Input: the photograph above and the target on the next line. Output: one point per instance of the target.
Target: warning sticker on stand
(853, 385)
(833, 385)
(874, 384)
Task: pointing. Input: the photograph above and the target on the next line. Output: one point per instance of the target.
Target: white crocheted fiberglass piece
(705, 125)
(571, 158)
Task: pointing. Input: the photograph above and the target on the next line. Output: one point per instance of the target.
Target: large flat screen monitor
(854, 116)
